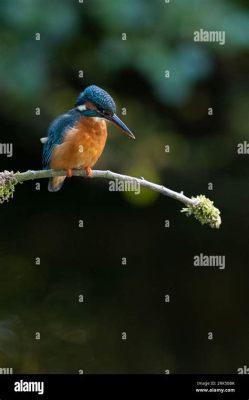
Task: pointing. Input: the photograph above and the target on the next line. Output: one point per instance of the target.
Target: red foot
(88, 171)
(69, 172)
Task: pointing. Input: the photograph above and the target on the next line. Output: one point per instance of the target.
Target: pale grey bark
(29, 175)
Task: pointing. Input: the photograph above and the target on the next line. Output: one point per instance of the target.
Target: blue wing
(56, 133)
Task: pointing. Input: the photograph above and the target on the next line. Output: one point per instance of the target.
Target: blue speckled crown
(98, 97)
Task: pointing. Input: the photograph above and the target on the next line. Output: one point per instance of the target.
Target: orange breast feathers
(82, 145)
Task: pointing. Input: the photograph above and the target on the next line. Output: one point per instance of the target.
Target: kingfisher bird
(77, 138)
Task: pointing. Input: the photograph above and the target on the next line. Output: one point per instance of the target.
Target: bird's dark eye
(105, 113)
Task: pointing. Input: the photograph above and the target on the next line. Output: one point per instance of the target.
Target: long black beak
(117, 121)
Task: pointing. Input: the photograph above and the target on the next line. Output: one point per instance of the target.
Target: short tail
(56, 183)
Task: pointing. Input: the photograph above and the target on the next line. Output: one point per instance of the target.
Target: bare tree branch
(28, 175)
(199, 206)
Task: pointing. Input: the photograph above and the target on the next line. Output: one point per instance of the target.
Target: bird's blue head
(96, 102)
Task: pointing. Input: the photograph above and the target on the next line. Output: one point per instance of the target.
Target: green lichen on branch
(7, 185)
(204, 211)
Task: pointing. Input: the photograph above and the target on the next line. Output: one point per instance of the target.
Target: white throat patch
(81, 107)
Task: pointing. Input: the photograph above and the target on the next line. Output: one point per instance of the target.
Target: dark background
(44, 298)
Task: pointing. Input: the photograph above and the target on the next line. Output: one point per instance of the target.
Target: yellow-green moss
(204, 211)
(7, 185)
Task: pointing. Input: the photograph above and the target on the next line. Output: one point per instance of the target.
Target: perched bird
(77, 139)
